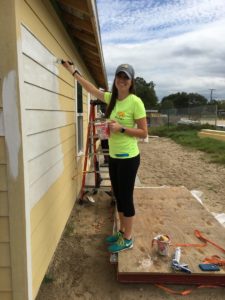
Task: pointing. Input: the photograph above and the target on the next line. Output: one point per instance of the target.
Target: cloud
(177, 44)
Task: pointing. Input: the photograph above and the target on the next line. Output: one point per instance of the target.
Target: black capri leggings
(122, 174)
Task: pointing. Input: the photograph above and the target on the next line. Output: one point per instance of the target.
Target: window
(79, 97)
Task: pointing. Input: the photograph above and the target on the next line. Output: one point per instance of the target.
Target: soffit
(80, 19)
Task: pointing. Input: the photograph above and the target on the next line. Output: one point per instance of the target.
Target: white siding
(49, 107)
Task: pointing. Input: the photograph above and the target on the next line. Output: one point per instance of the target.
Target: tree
(184, 100)
(146, 91)
(221, 104)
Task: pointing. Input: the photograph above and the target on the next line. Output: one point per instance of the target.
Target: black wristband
(76, 72)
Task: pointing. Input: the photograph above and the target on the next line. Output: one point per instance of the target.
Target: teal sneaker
(121, 245)
(113, 238)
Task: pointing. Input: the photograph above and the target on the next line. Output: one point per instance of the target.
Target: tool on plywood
(176, 265)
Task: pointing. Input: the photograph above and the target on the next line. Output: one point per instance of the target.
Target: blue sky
(177, 44)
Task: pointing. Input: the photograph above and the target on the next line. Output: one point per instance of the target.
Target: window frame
(79, 120)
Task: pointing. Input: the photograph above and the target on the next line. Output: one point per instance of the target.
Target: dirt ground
(80, 268)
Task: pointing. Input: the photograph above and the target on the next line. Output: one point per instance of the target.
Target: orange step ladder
(92, 153)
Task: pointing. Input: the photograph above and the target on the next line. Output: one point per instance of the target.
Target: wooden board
(175, 212)
(214, 134)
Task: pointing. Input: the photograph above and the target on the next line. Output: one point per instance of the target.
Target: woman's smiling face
(122, 82)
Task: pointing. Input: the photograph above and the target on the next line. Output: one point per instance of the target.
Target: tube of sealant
(177, 255)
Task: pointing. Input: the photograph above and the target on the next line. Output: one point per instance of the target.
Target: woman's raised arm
(88, 86)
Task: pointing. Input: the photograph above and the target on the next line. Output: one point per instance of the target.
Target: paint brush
(61, 61)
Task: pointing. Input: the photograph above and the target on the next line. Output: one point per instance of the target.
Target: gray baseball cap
(127, 69)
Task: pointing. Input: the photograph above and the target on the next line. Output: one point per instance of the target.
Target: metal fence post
(168, 117)
(216, 115)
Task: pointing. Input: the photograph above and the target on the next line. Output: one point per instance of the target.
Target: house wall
(5, 261)
(12, 211)
(53, 170)
(40, 182)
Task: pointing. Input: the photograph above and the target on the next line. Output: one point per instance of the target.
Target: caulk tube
(177, 255)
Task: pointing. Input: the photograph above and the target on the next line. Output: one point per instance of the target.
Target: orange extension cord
(213, 259)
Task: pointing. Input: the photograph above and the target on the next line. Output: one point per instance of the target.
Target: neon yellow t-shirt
(125, 112)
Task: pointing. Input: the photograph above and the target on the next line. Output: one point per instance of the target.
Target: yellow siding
(2, 150)
(5, 263)
(5, 260)
(3, 178)
(4, 229)
(5, 279)
(51, 119)
(4, 205)
(54, 222)
(6, 296)
(5, 256)
(0, 91)
(5, 271)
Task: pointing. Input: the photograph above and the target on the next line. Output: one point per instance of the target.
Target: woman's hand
(87, 85)
(140, 132)
(114, 126)
(70, 67)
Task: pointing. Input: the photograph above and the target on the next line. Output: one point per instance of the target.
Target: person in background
(127, 117)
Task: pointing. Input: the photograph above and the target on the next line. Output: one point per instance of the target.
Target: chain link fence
(207, 114)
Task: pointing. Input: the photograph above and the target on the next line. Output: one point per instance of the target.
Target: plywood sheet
(175, 212)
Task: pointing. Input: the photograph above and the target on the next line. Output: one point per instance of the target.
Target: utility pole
(211, 94)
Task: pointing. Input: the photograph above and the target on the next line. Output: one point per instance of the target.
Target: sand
(80, 268)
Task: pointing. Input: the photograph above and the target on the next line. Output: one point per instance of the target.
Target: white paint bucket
(163, 244)
(102, 129)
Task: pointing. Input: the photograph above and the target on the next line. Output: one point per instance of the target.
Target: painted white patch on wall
(32, 47)
(44, 118)
(40, 187)
(2, 130)
(11, 121)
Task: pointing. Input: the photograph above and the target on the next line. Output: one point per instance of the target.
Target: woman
(128, 122)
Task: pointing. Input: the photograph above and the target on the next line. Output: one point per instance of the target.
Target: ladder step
(103, 187)
(99, 153)
(93, 152)
(97, 172)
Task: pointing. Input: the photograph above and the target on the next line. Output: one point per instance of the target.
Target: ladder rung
(98, 172)
(107, 187)
(98, 153)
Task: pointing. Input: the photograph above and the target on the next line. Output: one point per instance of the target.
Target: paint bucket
(102, 129)
(162, 241)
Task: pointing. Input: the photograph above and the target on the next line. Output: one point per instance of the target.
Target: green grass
(187, 136)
